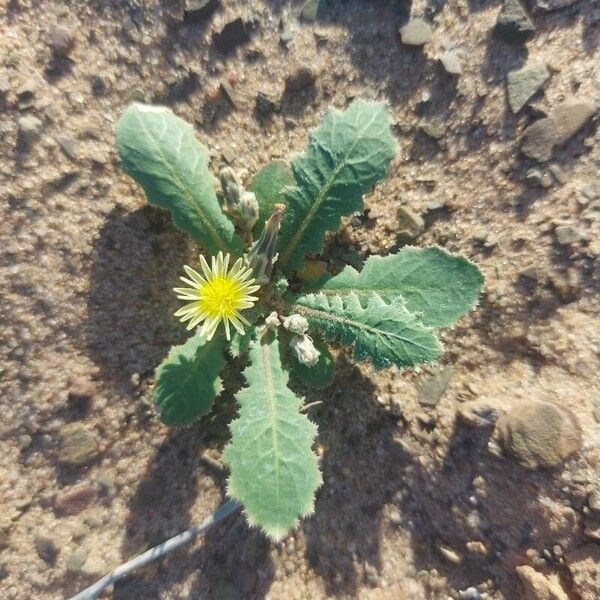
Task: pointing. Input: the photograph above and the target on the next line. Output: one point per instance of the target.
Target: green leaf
(161, 152)
(386, 333)
(318, 376)
(268, 185)
(187, 381)
(274, 472)
(347, 155)
(438, 286)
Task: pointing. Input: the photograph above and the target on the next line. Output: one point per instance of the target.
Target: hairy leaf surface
(161, 152)
(187, 381)
(438, 286)
(384, 333)
(268, 185)
(347, 155)
(274, 472)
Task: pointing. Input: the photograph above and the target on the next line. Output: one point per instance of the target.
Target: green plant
(387, 312)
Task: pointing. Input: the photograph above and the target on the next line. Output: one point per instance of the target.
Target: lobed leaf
(268, 185)
(347, 155)
(384, 333)
(161, 152)
(438, 286)
(187, 381)
(274, 472)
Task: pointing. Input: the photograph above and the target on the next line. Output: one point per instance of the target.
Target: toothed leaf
(384, 333)
(273, 471)
(347, 155)
(187, 381)
(161, 152)
(268, 185)
(437, 286)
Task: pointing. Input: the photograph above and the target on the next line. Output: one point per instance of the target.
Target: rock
(30, 128)
(593, 501)
(234, 34)
(46, 549)
(81, 393)
(62, 40)
(416, 33)
(74, 500)
(451, 62)
(301, 77)
(552, 5)
(76, 560)
(435, 132)
(310, 11)
(522, 84)
(98, 85)
(26, 95)
(229, 93)
(69, 146)
(569, 117)
(449, 554)
(566, 235)
(539, 434)
(538, 139)
(480, 413)
(265, 105)
(591, 526)
(537, 586)
(199, 9)
(559, 174)
(583, 564)
(431, 389)
(410, 223)
(513, 23)
(78, 446)
(471, 593)
(589, 192)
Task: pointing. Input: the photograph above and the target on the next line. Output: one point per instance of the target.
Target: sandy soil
(417, 503)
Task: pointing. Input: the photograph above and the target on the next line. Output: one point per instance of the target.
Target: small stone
(471, 593)
(569, 117)
(539, 434)
(539, 587)
(265, 105)
(522, 84)
(229, 93)
(589, 192)
(539, 138)
(234, 34)
(98, 85)
(532, 272)
(30, 128)
(287, 34)
(591, 526)
(432, 388)
(199, 9)
(78, 446)
(566, 235)
(480, 413)
(558, 173)
(449, 554)
(593, 501)
(228, 155)
(432, 130)
(74, 500)
(26, 94)
(69, 146)
(409, 222)
(76, 560)
(476, 547)
(451, 62)
(513, 24)
(62, 40)
(302, 77)
(46, 549)
(310, 11)
(416, 33)
(395, 518)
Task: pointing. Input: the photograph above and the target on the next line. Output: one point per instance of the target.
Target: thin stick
(92, 592)
(304, 408)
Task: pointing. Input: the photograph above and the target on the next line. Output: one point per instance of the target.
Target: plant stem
(92, 592)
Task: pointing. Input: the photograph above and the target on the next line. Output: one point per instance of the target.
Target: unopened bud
(240, 204)
(305, 350)
(272, 321)
(262, 255)
(296, 324)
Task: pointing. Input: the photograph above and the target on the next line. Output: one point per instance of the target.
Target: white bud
(248, 210)
(296, 324)
(272, 321)
(305, 350)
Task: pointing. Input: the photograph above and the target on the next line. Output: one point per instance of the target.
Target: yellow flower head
(217, 296)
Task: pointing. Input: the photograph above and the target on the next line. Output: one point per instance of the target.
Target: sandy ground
(417, 502)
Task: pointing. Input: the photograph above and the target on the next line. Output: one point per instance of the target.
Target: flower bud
(240, 204)
(296, 324)
(262, 255)
(272, 321)
(305, 350)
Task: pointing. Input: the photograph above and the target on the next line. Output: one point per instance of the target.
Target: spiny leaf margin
(273, 470)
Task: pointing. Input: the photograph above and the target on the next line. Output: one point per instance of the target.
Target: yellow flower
(217, 296)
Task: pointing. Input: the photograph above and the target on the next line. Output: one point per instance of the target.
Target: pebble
(562, 123)
(265, 105)
(229, 93)
(431, 389)
(539, 587)
(409, 222)
(26, 95)
(589, 192)
(476, 547)
(199, 9)
(69, 146)
(593, 501)
(435, 132)
(558, 173)
(539, 434)
(451, 62)
(471, 593)
(76, 560)
(522, 84)
(62, 40)
(74, 500)
(416, 33)
(30, 128)
(46, 549)
(566, 235)
(513, 23)
(78, 446)
(449, 554)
